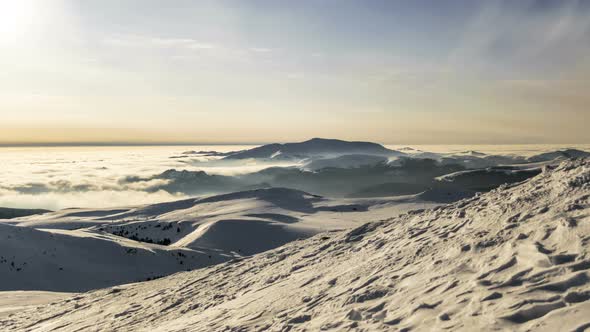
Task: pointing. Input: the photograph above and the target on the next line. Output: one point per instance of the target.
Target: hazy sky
(399, 72)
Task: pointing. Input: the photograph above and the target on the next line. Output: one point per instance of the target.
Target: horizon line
(139, 144)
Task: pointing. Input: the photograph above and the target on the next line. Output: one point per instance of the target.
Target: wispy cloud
(158, 42)
(295, 76)
(260, 49)
(182, 43)
(188, 44)
(525, 37)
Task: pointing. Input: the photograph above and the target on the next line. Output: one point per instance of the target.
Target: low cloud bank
(129, 177)
(95, 199)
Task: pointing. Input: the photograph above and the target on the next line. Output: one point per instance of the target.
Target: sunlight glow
(16, 18)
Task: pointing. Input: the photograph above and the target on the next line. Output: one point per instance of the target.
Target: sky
(258, 71)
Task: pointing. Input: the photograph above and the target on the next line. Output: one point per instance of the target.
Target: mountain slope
(9, 213)
(344, 161)
(515, 258)
(245, 222)
(73, 261)
(559, 154)
(488, 178)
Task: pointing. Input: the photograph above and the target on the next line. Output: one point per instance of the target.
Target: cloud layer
(57, 178)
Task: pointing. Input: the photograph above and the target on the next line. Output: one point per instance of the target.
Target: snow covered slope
(245, 222)
(82, 249)
(70, 261)
(515, 258)
(488, 178)
(8, 213)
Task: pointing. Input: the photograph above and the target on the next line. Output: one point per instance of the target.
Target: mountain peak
(314, 147)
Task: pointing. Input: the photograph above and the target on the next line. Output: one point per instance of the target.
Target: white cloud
(516, 36)
(92, 199)
(159, 42)
(260, 49)
(295, 76)
(57, 178)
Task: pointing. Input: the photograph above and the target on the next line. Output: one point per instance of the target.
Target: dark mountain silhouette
(314, 147)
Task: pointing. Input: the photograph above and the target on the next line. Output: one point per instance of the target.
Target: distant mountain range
(334, 152)
(340, 168)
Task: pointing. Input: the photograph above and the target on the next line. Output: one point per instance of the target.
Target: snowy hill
(488, 178)
(559, 155)
(515, 258)
(8, 213)
(73, 261)
(82, 249)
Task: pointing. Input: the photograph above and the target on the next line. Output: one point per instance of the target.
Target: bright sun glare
(16, 18)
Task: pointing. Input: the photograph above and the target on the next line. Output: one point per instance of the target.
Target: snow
(515, 258)
(83, 249)
(80, 260)
(14, 301)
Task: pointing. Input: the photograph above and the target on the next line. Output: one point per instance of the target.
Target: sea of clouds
(64, 177)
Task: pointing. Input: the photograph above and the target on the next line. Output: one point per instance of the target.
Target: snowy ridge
(515, 258)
